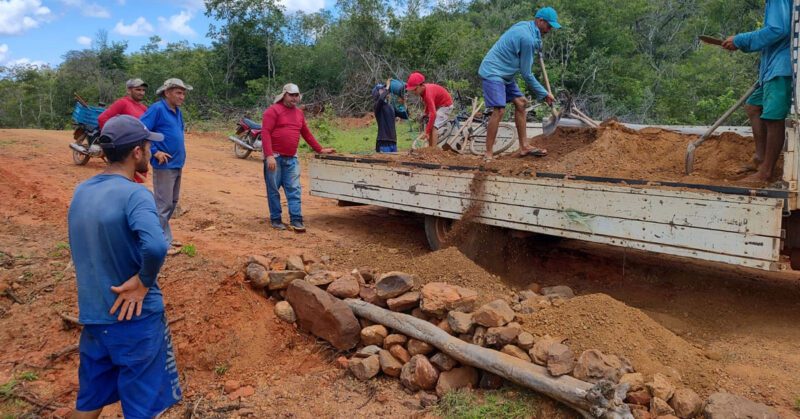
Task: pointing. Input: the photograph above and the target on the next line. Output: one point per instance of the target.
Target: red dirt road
(225, 331)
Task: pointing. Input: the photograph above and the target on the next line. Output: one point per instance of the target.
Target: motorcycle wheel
(239, 151)
(78, 158)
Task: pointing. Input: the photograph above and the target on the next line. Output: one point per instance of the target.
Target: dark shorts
(774, 97)
(130, 361)
(497, 94)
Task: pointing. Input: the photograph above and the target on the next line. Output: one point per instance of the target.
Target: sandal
(535, 152)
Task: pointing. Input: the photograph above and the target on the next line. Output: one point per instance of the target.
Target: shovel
(693, 145)
(549, 126)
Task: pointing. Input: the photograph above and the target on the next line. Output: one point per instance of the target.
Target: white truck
(755, 228)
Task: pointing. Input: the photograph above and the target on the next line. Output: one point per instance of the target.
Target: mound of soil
(597, 321)
(617, 152)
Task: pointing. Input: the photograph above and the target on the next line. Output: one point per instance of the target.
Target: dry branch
(603, 400)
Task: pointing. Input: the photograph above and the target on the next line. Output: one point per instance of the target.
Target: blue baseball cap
(549, 15)
(124, 129)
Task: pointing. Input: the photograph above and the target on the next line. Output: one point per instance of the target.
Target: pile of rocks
(313, 296)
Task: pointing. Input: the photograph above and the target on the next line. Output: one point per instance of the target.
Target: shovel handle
(544, 74)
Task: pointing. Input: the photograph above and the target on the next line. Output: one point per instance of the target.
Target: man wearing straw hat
(165, 117)
(282, 125)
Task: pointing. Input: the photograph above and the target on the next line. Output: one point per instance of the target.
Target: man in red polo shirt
(438, 104)
(281, 128)
(128, 105)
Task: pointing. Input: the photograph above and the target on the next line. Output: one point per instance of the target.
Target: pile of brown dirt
(615, 151)
(597, 321)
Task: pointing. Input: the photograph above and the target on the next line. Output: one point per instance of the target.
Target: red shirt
(281, 129)
(123, 106)
(435, 97)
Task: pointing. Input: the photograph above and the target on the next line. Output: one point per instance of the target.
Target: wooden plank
(697, 238)
(724, 216)
(651, 247)
(655, 190)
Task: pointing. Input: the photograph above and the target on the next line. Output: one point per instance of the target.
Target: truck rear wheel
(436, 229)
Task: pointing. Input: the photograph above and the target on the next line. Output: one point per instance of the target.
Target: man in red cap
(438, 104)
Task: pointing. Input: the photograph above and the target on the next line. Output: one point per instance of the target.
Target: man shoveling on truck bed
(769, 105)
(513, 54)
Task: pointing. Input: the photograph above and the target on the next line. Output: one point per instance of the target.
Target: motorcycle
(86, 133)
(247, 138)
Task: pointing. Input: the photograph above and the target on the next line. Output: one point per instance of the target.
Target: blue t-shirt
(163, 120)
(513, 54)
(773, 41)
(114, 234)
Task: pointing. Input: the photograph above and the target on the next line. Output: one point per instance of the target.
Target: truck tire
(436, 229)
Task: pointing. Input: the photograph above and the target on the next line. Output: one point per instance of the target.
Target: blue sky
(41, 31)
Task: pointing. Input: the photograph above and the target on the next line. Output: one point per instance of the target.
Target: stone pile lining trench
(604, 335)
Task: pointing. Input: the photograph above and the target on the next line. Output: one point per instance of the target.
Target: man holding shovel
(769, 105)
(513, 54)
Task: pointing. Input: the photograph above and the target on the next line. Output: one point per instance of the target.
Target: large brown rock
(389, 364)
(323, 315)
(257, 275)
(344, 287)
(495, 314)
(438, 298)
(285, 312)
(280, 280)
(419, 374)
(516, 352)
(457, 378)
(660, 387)
(373, 335)
(393, 284)
(295, 263)
(639, 397)
(594, 366)
(503, 335)
(560, 359)
(728, 406)
(525, 340)
(321, 278)
(658, 407)
(365, 368)
(443, 362)
(539, 351)
(403, 302)
(686, 403)
(399, 352)
(460, 322)
(634, 380)
(368, 294)
(394, 339)
(418, 347)
(369, 274)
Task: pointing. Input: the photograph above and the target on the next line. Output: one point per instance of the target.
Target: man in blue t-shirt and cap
(118, 247)
(513, 54)
(769, 105)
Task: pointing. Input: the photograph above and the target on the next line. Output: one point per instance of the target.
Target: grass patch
(7, 389)
(500, 404)
(797, 404)
(28, 376)
(221, 369)
(61, 249)
(189, 250)
(360, 140)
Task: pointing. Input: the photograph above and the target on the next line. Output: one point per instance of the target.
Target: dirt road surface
(745, 323)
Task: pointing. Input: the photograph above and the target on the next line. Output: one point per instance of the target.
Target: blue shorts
(130, 361)
(497, 94)
(386, 147)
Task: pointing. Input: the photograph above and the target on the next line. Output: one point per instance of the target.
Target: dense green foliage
(637, 60)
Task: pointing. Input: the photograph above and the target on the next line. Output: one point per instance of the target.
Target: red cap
(414, 80)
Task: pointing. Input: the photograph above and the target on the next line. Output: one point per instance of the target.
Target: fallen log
(602, 400)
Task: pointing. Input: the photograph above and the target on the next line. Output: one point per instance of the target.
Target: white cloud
(89, 9)
(140, 27)
(17, 16)
(5, 61)
(303, 5)
(121, 2)
(178, 23)
(84, 40)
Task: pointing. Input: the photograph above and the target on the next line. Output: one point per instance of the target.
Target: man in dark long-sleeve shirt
(118, 247)
(386, 141)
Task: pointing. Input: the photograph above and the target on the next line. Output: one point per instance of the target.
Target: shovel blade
(549, 126)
